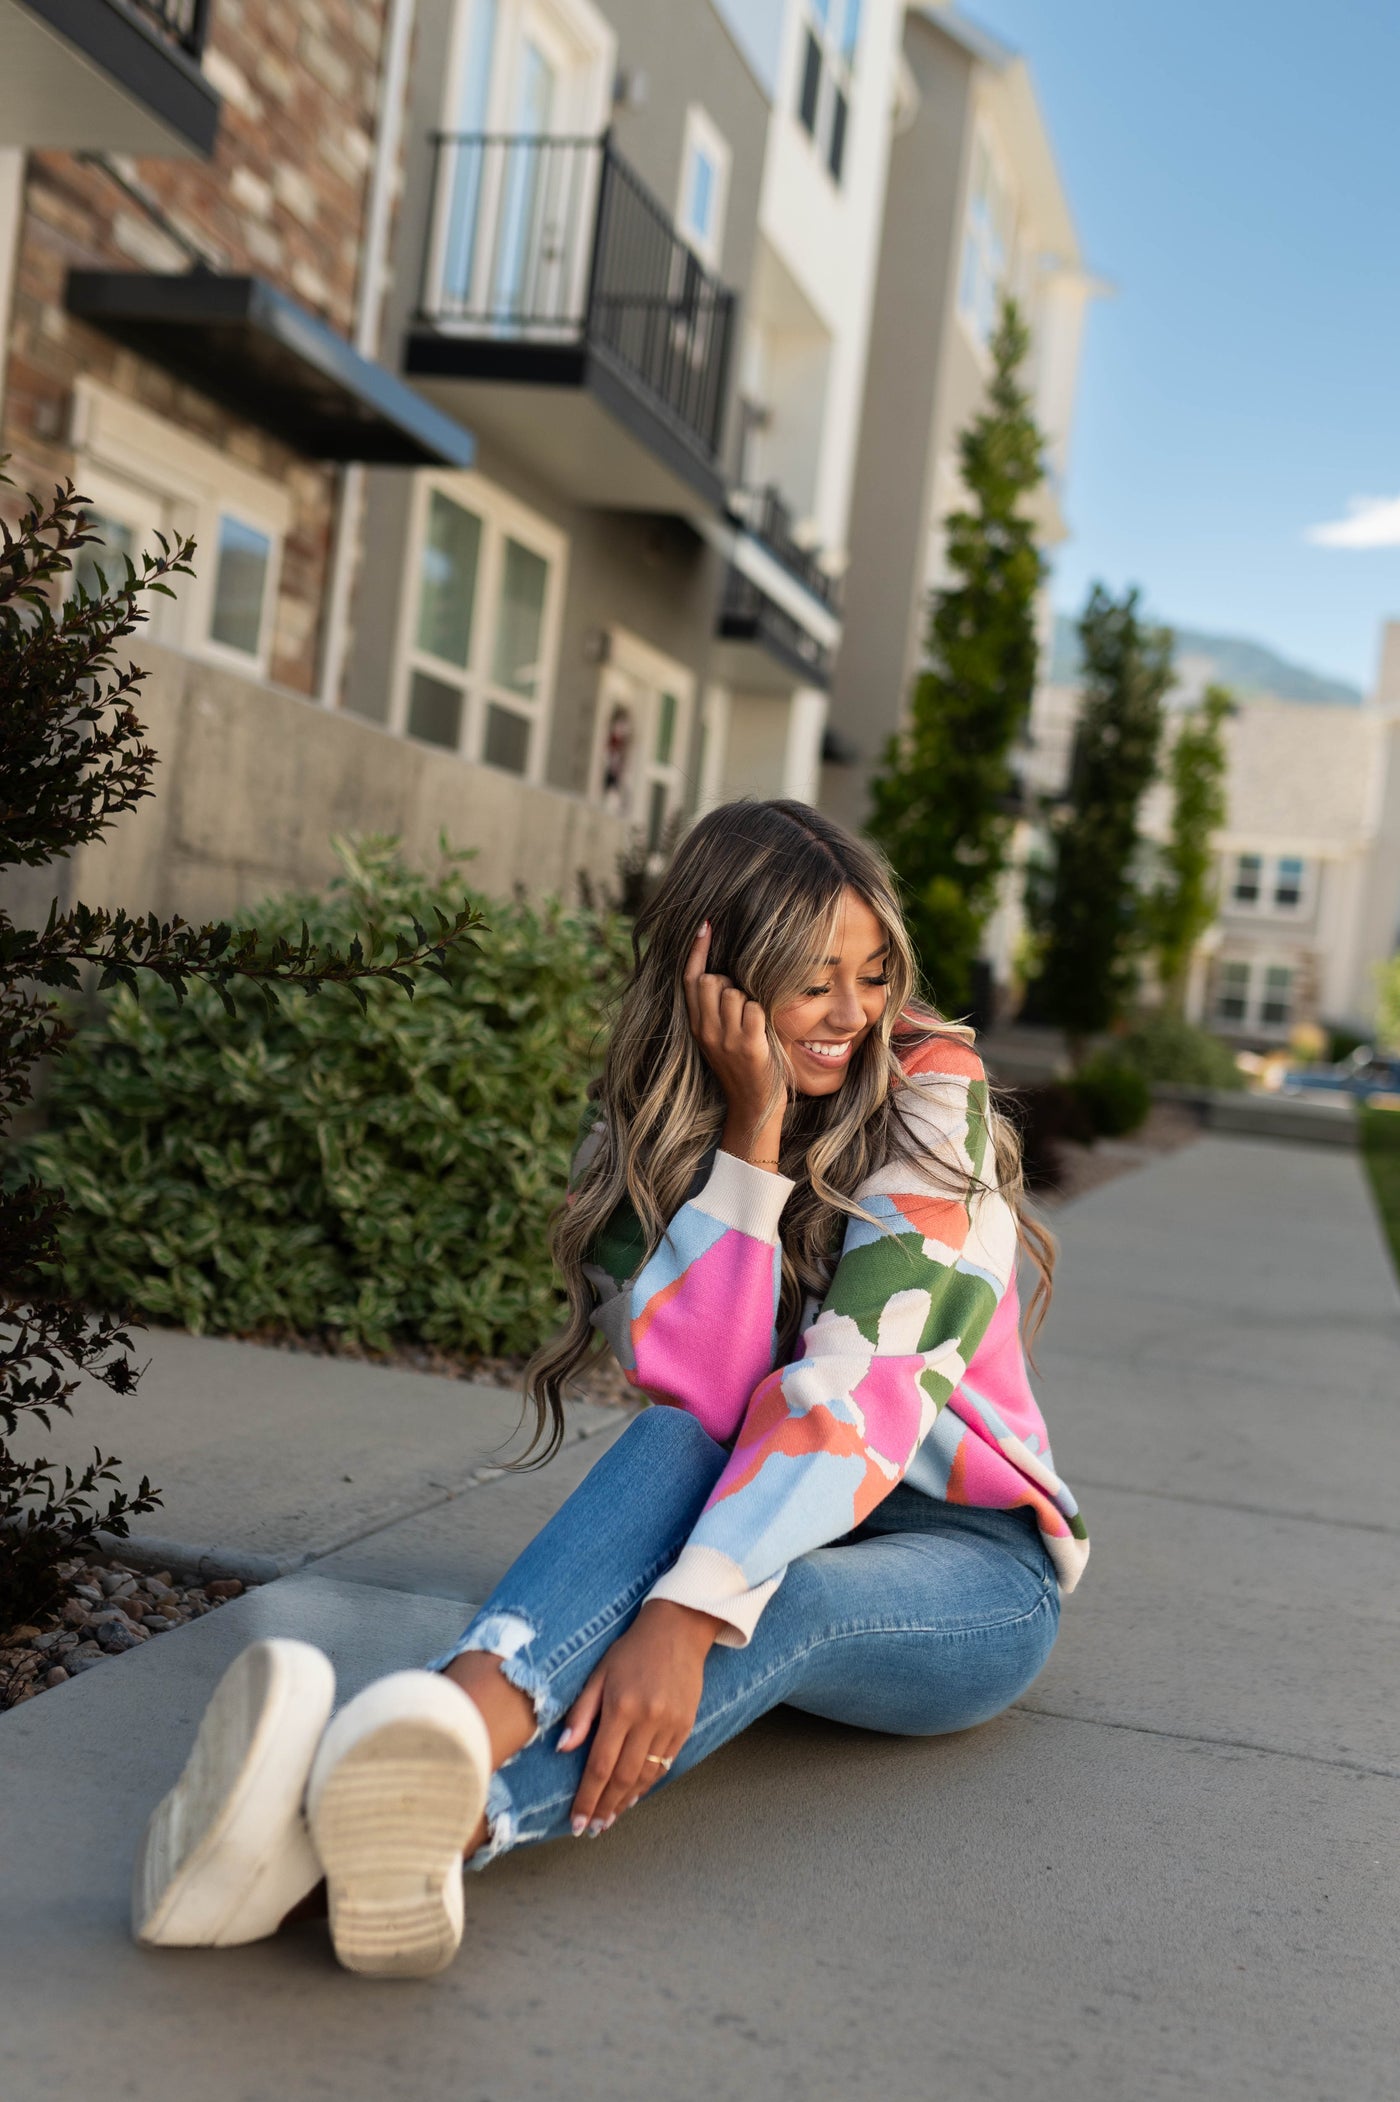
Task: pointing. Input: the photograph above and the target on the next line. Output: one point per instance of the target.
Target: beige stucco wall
(254, 781)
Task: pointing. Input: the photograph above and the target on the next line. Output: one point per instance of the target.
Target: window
(115, 537)
(241, 575)
(1232, 993)
(486, 579)
(830, 39)
(1252, 993)
(147, 476)
(1266, 883)
(987, 241)
(704, 192)
(1248, 871)
(1288, 883)
(1276, 1005)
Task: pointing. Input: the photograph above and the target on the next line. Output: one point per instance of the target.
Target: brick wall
(284, 195)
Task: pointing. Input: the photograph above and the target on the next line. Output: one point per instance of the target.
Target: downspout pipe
(369, 314)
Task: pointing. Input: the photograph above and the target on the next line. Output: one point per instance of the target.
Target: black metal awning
(249, 346)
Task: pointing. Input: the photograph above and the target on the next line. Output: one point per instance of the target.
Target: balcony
(764, 514)
(562, 316)
(780, 619)
(763, 647)
(107, 76)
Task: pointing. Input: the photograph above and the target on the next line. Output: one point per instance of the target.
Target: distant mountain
(1246, 666)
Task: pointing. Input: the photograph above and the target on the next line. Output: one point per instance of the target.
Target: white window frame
(1256, 969)
(127, 456)
(703, 136)
(1264, 906)
(979, 326)
(502, 518)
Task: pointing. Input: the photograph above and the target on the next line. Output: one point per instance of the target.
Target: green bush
(382, 1175)
(1169, 1052)
(1114, 1093)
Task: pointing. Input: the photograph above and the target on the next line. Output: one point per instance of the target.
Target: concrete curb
(201, 1563)
(1313, 1120)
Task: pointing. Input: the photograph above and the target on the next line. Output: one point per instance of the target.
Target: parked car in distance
(1367, 1075)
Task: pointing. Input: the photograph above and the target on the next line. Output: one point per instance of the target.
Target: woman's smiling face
(822, 1029)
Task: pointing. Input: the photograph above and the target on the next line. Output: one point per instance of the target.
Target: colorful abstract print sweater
(911, 1370)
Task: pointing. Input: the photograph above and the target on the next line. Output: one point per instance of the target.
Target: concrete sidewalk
(1169, 1873)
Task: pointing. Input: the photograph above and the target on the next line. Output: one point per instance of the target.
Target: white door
(529, 241)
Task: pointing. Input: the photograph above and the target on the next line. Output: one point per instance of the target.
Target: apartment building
(503, 356)
(975, 206)
(634, 255)
(1308, 859)
(1309, 882)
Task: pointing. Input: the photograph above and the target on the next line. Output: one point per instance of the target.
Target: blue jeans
(928, 1617)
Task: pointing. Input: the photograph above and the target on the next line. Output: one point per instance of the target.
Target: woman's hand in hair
(732, 1032)
(643, 1697)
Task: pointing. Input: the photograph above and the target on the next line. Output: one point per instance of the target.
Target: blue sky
(1234, 167)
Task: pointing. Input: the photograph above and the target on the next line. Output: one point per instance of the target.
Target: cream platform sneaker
(396, 1789)
(226, 1854)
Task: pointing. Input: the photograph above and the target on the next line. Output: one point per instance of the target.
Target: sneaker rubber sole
(396, 1790)
(226, 1854)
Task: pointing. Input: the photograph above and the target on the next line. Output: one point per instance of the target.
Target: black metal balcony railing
(765, 515)
(184, 22)
(557, 239)
(748, 614)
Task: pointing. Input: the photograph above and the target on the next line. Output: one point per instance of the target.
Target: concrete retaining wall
(254, 781)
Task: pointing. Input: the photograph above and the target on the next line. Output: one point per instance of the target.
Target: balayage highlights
(769, 878)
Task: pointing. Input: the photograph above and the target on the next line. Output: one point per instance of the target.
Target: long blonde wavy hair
(769, 877)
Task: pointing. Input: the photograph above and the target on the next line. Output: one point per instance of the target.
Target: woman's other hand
(732, 1033)
(643, 1698)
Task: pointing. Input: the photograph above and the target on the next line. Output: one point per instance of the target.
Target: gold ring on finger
(655, 1759)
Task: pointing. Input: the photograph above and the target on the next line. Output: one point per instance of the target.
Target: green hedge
(1170, 1052)
(385, 1176)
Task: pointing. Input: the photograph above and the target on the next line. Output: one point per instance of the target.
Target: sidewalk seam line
(1220, 1503)
(1234, 1744)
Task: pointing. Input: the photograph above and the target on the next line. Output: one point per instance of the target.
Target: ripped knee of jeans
(508, 1638)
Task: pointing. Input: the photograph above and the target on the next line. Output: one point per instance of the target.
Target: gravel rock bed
(107, 1610)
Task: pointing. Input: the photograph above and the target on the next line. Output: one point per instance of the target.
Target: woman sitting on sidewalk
(796, 1220)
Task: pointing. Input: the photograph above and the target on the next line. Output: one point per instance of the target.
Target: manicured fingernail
(634, 1802)
(609, 1822)
(704, 928)
(566, 1741)
(578, 1826)
(596, 1827)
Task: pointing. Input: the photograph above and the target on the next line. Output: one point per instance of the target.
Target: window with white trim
(1253, 993)
(1249, 874)
(1269, 884)
(1232, 991)
(485, 592)
(826, 77)
(987, 242)
(704, 192)
(145, 476)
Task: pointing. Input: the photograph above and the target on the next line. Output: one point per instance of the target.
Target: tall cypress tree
(1095, 922)
(940, 802)
(1182, 905)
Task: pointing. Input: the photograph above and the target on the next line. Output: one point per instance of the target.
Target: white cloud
(1371, 521)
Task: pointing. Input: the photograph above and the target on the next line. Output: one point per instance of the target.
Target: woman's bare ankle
(509, 1714)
